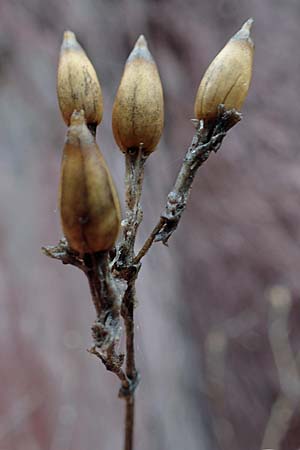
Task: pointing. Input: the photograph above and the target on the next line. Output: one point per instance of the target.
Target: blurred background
(217, 321)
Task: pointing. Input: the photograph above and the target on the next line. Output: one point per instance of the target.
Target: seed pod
(77, 83)
(138, 111)
(89, 205)
(227, 79)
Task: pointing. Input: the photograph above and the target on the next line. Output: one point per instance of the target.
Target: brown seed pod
(227, 79)
(89, 205)
(77, 83)
(138, 111)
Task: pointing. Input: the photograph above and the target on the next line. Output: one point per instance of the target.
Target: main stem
(134, 174)
(131, 373)
(129, 422)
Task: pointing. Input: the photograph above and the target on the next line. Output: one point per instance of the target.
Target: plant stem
(207, 139)
(103, 279)
(129, 423)
(134, 174)
(127, 312)
(149, 241)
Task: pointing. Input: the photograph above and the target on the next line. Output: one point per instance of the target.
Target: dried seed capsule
(77, 83)
(227, 79)
(138, 111)
(89, 205)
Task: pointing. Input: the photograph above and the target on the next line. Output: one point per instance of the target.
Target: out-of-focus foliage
(209, 378)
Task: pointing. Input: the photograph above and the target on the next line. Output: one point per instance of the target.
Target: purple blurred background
(217, 321)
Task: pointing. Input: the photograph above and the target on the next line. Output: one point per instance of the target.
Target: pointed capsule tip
(69, 36)
(140, 50)
(141, 42)
(244, 32)
(69, 40)
(248, 25)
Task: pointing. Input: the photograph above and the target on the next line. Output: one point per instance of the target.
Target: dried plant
(89, 205)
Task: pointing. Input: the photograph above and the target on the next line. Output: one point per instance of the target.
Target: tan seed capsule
(138, 111)
(77, 83)
(227, 79)
(89, 205)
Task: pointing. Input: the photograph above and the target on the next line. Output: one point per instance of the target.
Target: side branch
(206, 140)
